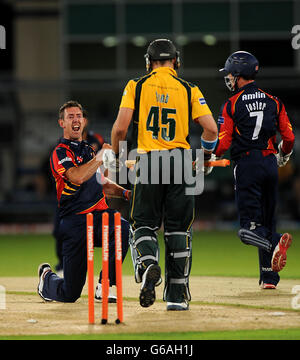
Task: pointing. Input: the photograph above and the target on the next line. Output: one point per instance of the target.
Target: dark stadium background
(87, 51)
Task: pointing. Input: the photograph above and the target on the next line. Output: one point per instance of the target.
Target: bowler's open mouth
(75, 127)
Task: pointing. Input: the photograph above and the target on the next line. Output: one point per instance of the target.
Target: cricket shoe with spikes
(42, 271)
(150, 278)
(279, 254)
(139, 277)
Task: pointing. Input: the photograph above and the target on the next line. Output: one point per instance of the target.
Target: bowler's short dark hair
(68, 104)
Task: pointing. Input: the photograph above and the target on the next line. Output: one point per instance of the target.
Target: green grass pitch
(215, 253)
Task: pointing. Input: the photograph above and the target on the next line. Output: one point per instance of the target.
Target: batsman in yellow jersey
(158, 108)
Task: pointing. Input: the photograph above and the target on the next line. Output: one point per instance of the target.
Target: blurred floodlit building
(88, 49)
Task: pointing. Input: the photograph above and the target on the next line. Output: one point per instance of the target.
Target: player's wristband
(207, 156)
(125, 194)
(208, 145)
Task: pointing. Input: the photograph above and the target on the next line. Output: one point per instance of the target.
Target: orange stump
(118, 258)
(90, 265)
(105, 257)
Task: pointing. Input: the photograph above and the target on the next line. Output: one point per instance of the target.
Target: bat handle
(220, 163)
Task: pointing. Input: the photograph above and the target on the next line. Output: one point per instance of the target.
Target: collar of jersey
(164, 70)
(71, 143)
(253, 83)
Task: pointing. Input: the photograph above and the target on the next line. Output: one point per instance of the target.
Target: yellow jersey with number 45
(163, 106)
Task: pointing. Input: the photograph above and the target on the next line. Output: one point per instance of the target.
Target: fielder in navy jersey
(75, 168)
(96, 141)
(248, 124)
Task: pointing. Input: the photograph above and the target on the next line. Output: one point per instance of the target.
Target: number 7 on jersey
(258, 124)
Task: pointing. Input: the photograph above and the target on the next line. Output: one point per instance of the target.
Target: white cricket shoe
(111, 294)
(42, 271)
(177, 306)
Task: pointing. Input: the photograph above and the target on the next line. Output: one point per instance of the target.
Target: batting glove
(99, 156)
(208, 169)
(110, 161)
(282, 158)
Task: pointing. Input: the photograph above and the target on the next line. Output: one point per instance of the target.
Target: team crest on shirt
(202, 101)
(79, 159)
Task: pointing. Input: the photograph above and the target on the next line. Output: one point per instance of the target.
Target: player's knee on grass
(72, 297)
(255, 238)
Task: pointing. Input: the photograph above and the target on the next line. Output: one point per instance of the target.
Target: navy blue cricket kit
(74, 202)
(248, 124)
(96, 141)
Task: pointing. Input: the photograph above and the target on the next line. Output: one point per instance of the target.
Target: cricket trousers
(58, 241)
(256, 191)
(152, 204)
(72, 231)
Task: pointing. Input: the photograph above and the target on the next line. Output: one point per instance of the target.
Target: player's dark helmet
(240, 63)
(161, 49)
